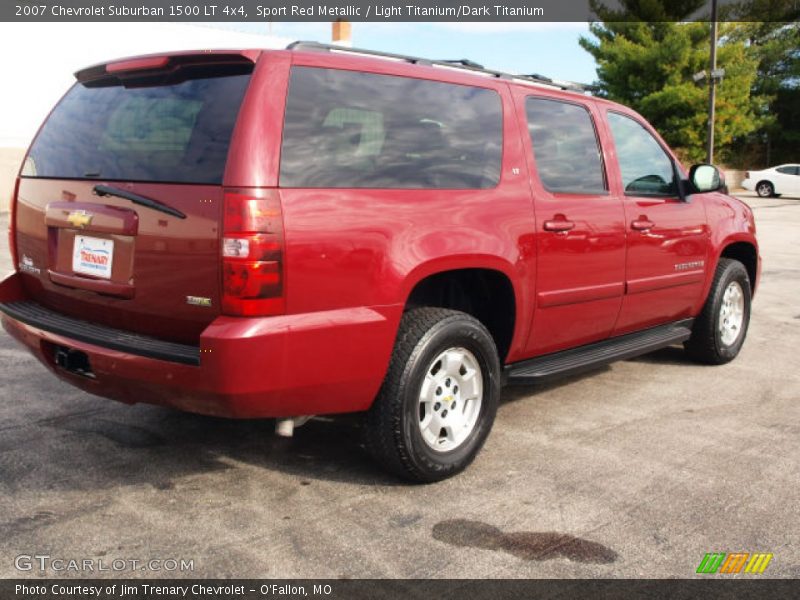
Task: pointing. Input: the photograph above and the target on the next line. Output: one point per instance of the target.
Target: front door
(667, 237)
(580, 229)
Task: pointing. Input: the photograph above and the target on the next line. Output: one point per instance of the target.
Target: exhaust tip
(285, 427)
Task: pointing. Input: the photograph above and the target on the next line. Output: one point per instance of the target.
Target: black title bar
(382, 10)
(391, 589)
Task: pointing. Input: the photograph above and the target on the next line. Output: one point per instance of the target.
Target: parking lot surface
(634, 470)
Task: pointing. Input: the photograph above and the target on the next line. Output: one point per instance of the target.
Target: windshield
(167, 133)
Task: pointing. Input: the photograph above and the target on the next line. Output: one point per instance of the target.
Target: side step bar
(588, 357)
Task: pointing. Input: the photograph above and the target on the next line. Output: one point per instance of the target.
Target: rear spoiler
(121, 70)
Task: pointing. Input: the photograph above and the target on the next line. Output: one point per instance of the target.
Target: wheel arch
(745, 252)
(484, 289)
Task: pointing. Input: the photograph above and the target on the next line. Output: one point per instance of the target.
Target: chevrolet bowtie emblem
(80, 218)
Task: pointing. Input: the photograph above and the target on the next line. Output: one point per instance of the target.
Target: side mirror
(705, 178)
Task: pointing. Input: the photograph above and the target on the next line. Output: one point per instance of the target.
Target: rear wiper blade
(107, 190)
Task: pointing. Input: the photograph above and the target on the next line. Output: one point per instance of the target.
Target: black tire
(706, 344)
(765, 189)
(392, 430)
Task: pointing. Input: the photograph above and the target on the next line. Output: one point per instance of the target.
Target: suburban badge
(26, 265)
(198, 301)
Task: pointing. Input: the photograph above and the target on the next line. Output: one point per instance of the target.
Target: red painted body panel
(656, 291)
(732, 222)
(254, 153)
(173, 258)
(315, 363)
(580, 272)
(353, 256)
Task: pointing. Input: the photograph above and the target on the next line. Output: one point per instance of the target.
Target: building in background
(342, 33)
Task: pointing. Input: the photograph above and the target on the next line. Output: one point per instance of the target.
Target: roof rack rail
(537, 76)
(464, 64)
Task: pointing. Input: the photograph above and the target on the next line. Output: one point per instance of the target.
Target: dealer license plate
(92, 256)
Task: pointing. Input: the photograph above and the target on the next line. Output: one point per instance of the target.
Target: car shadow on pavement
(113, 446)
(671, 355)
(85, 443)
(513, 393)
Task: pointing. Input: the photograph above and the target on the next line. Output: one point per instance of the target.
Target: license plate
(92, 256)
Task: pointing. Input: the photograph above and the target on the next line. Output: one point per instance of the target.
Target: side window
(789, 170)
(345, 129)
(646, 169)
(565, 147)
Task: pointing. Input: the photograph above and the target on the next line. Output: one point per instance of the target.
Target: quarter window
(646, 169)
(346, 129)
(565, 147)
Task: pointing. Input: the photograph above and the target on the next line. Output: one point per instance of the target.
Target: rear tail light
(252, 254)
(12, 226)
(747, 174)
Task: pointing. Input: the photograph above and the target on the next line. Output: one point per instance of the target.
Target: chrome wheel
(731, 313)
(764, 189)
(450, 399)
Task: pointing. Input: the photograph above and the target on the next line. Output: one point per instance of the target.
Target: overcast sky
(53, 51)
(549, 49)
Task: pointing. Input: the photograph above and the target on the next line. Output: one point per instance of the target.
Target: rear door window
(178, 132)
(346, 129)
(565, 147)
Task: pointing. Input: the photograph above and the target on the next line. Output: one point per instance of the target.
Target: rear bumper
(316, 363)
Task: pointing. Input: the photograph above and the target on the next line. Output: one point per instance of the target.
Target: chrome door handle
(558, 225)
(642, 224)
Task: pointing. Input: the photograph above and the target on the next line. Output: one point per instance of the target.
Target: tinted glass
(565, 147)
(646, 169)
(347, 129)
(789, 170)
(172, 133)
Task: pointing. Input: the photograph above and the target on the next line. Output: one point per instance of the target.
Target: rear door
(119, 203)
(580, 230)
(667, 236)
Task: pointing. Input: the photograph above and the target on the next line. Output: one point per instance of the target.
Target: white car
(784, 179)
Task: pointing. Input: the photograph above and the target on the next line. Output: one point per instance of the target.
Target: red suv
(318, 230)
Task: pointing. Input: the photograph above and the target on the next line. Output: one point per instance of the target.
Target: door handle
(559, 224)
(642, 224)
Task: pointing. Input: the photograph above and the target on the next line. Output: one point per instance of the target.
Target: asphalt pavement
(634, 470)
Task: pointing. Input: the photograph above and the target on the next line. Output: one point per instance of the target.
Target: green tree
(776, 47)
(646, 59)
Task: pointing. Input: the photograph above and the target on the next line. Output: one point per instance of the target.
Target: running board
(588, 357)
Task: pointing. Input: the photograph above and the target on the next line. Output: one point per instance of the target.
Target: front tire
(438, 401)
(720, 329)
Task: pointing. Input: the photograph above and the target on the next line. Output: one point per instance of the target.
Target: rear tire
(765, 189)
(438, 401)
(720, 329)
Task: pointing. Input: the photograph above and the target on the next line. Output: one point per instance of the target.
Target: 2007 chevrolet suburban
(317, 230)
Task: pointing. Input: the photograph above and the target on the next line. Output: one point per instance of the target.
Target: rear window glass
(358, 130)
(167, 133)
